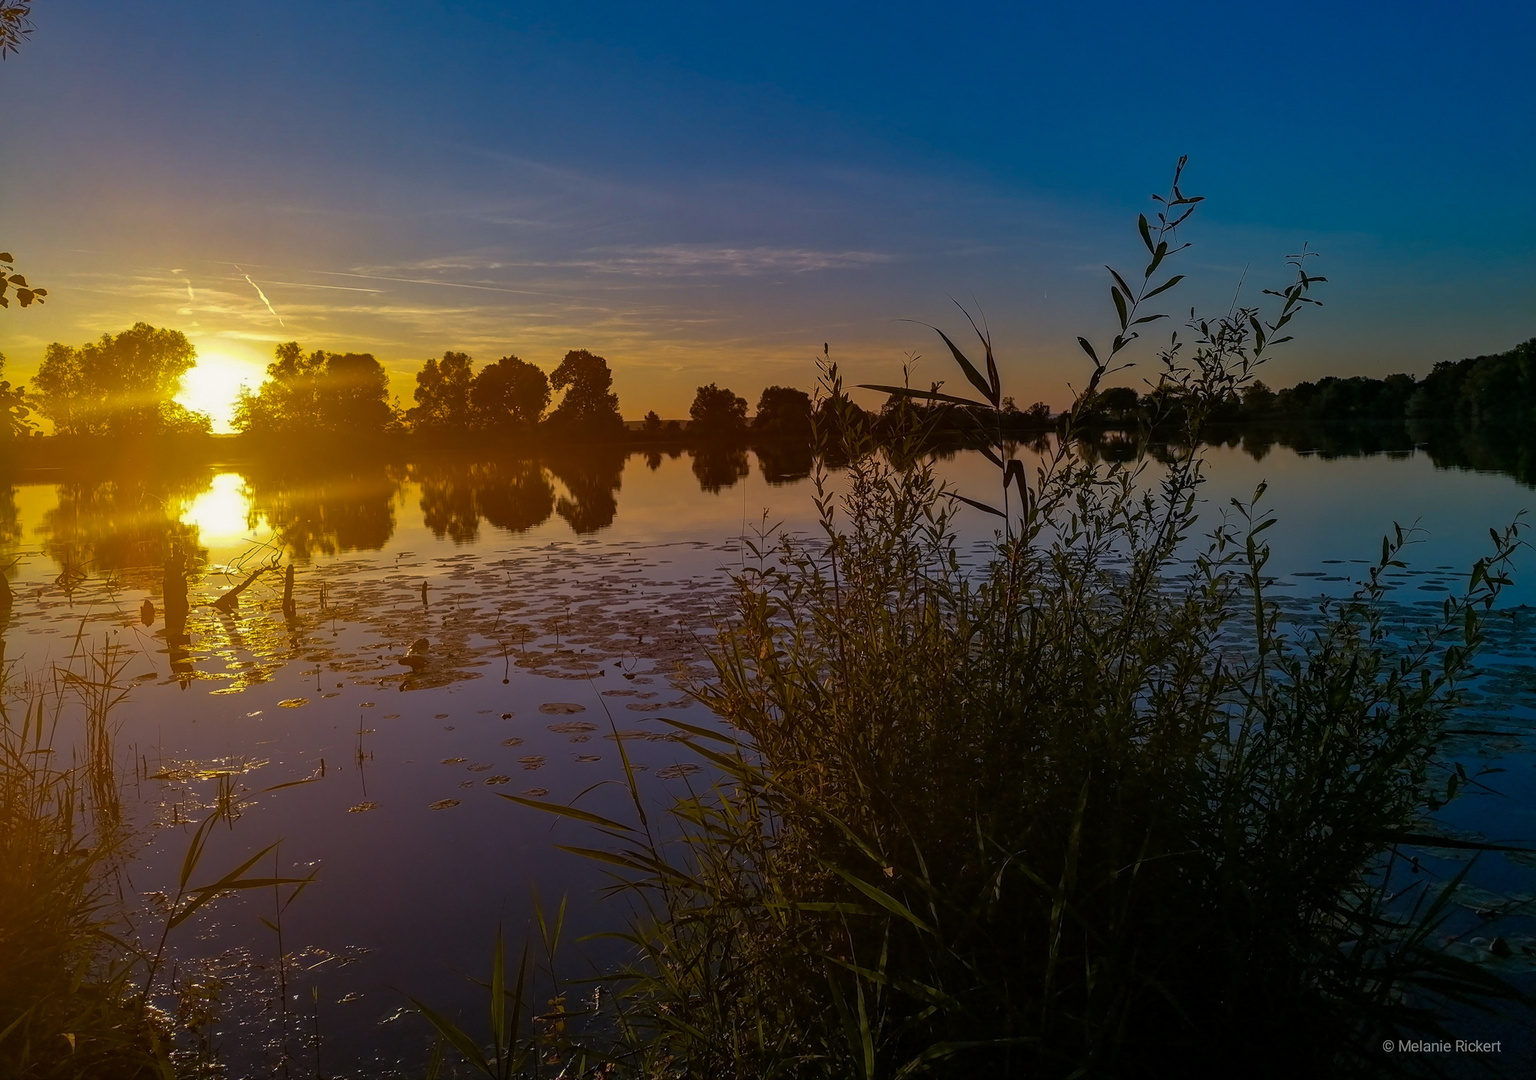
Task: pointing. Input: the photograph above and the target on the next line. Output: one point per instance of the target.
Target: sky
(706, 192)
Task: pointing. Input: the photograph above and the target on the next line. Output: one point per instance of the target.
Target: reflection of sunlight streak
(264, 299)
(220, 513)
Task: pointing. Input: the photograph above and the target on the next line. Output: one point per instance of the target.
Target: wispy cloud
(673, 260)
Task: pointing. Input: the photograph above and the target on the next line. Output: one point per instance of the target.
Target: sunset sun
(214, 384)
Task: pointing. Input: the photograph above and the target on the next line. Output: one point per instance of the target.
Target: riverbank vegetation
(85, 989)
(1090, 808)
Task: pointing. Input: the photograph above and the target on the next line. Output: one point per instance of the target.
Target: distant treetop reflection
(456, 495)
(119, 524)
(324, 508)
(127, 513)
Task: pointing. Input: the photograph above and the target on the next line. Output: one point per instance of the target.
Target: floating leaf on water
(146, 675)
(536, 792)
(572, 727)
(294, 702)
(498, 779)
(349, 997)
(513, 741)
(454, 760)
(485, 767)
(533, 761)
(506, 716)
(588, 757)
(362, 807)
(678, 771)
(444, 804)
(366, 705)
(561, 708)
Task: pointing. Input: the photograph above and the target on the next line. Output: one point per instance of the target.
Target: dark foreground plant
(77, 989)
(1089, 809)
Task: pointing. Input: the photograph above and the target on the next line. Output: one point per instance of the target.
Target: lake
(562, 602)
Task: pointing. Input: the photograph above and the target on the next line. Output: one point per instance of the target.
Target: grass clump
(69, 1001)
(1089, 808)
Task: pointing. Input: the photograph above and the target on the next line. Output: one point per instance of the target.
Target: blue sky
(707, 192)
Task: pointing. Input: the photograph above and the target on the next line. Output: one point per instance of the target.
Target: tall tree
(442, 395)
(783, 412)
(509, 395)
(589, 405)
(120, 385)
(319, 394)
(717, 413)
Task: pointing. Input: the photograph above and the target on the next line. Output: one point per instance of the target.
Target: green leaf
(1165, 286)
(884, 899)
(926, 395)
(567, 811)
(1120, 281)
(965, 365)
(451, 1034)
(978, 505)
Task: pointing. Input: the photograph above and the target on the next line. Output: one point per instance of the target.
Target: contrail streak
(264, 299)
(191, 296)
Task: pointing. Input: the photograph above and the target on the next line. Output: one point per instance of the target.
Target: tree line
(1494, 394)
(125, 385)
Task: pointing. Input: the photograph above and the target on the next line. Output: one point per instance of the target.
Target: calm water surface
(561, 603)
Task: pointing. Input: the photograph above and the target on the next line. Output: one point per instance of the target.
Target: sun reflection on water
(222, 514)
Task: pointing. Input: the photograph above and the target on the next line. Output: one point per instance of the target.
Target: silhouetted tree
(1258, 400)
(1116, 404)
(319, 394)
(1037, 415)
(442, 395)
(783, 412)
(509, 395)
(122, 385)
(652, 423)
(589, 407)
(717, 413)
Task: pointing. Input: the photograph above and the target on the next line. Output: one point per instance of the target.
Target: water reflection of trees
(10, 529)
(457, 495)
(323, 508)
(591, 478)
(784, 462)
(120, 523)
(718, 466)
